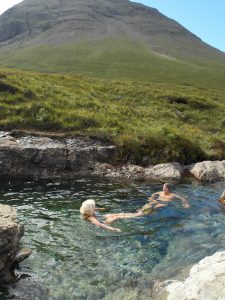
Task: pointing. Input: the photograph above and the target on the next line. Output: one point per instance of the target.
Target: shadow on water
(71, 259)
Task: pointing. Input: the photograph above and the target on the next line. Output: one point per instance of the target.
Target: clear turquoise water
(72, 259)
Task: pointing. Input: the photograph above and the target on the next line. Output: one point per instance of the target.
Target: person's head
(88, 207)
(167, 188)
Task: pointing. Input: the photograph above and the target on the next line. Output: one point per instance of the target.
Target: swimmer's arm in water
(96, 222)
(152, 197)
(184, 201)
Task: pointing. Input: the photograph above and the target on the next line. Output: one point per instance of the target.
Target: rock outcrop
(209, 171)
(32, 157)
(10, 234)
(206, 281)
(37, 157)
(168, 171)
(161, 172)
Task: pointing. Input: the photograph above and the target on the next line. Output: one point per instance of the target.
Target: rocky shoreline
(10, 234)
(206, 280)
(45, 158)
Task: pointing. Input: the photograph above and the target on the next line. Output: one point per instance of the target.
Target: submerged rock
(10, 234)
(206, 281)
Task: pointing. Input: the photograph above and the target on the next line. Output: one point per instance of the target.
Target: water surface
(72, 259)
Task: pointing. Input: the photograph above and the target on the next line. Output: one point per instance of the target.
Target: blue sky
(205, 18)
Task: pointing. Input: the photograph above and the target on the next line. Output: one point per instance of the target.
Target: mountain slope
(106, 38)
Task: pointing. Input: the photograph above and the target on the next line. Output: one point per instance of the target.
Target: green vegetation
(149, 122)
(119, 59)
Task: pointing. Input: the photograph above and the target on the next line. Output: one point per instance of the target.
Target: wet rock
(168, 171)
(10, 234)
(209, 171)
(206, 281)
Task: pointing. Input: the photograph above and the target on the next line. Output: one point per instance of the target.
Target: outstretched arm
(109, 227)
(102, 225)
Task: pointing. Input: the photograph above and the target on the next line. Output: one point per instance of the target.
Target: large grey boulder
(206, 281)
(162, 172)
(10, 234)
(209, 171)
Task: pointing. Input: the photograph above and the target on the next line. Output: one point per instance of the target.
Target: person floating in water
(166, 196)
(87, 211)
(157, 200)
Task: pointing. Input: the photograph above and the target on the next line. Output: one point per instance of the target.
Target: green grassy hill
(117, 59)
(161, 122)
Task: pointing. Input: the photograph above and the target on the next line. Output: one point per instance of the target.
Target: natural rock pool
(74, 260)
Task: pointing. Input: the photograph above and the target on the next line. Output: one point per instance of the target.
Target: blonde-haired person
(87, 211)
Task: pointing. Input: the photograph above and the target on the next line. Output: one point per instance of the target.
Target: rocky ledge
(205, 281)
(36, 157)
(33, 157)
(10, 234)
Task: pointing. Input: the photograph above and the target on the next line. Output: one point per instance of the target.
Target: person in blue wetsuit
(157, 200)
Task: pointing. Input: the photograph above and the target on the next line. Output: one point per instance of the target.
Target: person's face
(165, 189)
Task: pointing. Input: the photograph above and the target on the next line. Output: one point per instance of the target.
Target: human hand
(100, 208)
(186, 205)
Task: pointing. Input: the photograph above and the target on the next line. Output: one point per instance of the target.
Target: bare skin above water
(157, 200)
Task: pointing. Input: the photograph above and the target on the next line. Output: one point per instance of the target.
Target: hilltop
(115, 39)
